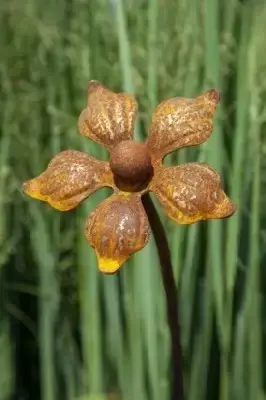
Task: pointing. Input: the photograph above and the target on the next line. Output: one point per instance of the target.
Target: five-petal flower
(119, 226)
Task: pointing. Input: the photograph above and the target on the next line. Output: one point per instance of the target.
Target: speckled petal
(70, 177)
(117, 228)
(181, 122)
(192, 192)
(109, 117)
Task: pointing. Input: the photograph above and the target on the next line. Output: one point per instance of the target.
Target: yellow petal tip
(31, 189)
(108, 265)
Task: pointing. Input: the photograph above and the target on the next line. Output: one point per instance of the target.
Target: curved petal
(117, 228)
(109, 117)
(181, 122)
(192, 192)
(70, 177)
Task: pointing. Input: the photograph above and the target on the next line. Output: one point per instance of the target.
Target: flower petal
(181, 122)
(117, 228)
(109, 117)
(192, 192)
(70, 177)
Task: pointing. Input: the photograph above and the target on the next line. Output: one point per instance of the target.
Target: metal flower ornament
(119, 226)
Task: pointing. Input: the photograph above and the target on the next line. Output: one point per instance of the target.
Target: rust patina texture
(119, 226)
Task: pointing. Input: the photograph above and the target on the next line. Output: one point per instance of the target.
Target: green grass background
(67, 332)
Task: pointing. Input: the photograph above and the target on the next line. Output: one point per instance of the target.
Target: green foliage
(106, 337)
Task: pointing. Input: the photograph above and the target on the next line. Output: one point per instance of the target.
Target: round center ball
(131, 165)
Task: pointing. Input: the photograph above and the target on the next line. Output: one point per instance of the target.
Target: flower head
(119, 226)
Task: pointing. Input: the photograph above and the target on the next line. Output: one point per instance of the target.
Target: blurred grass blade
(48, 303)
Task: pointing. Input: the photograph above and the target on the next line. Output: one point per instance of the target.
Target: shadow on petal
(117, 228)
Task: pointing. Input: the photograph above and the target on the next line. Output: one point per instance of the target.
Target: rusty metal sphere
(131, 165)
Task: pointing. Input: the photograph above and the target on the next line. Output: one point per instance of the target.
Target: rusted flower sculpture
(119, 226)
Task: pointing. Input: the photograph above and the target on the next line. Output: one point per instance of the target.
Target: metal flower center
(131, 165)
